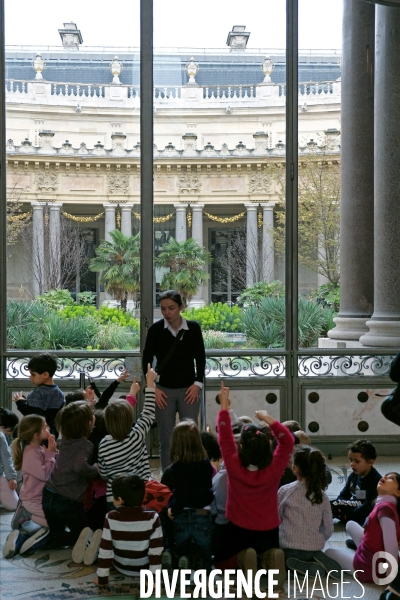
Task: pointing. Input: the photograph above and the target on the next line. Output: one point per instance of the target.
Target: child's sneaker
(78, 551)
(184, 563)
(13, 543)
(30, 527)
(303, 567)
(36, 541)
(166, 560)
(275, 559)
(92, 551)
(329, 564)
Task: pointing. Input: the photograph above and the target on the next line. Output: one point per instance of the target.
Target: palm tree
(186, 261)
(118, 262)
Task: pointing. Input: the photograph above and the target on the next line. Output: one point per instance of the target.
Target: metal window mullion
(146, 169)
(3, 211)
(291, 198)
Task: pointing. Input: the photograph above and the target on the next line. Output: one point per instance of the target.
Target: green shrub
(215, 340)
(86, 298)
(112, 336)
(56, 299)
(103, 315)
(260, 290)
(328, 295)
(216, 316)
(59, 333)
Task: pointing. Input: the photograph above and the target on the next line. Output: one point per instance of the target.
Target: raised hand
(135, 387)
(262, 415)
(151, 376)
(124, 376)
(223, 395)
(18, 396)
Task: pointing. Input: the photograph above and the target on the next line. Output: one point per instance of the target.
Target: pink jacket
(37, 465)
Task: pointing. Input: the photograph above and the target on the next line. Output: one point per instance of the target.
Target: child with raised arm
(47, 399)
(90, 392)
(123, 451)
(253, 479)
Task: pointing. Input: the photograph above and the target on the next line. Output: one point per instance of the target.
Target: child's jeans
(61, 512)
(194, 524)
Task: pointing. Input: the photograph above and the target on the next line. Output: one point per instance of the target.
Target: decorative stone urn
(116, 68)
(38, 64)
(192, 68)
(267, 67)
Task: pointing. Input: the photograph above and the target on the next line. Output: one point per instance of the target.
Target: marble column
(38, 267)
(180, 226)
(384, 326)
(251, 244)
(54, 238)
(126, 219)
(197, 235)
(268, 255)
(357, 172)
(109, 220)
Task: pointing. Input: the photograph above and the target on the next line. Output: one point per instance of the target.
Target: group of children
(263, 505)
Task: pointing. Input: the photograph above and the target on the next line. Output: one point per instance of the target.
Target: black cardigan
(180, 371)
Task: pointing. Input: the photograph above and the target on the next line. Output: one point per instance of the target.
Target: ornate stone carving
(192, 68)
(259, 182)
(267, 67)
(189, 183)
(118, 183)
(46, 181)
(38, 64)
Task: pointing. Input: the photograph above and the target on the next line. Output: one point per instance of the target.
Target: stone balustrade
(191, 96)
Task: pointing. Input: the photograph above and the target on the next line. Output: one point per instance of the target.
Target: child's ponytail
(27, 428)
(311, 464)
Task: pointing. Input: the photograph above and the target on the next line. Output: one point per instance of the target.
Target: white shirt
(184, 326)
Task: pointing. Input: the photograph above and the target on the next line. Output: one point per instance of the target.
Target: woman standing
(178, 346)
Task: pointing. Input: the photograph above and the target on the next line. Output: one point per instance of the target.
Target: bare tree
(55, 258)
(16, 219)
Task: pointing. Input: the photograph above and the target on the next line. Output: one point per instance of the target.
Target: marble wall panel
(339, 412)
(18, 181)
(75, 183)
(224, 184)
(244, 402)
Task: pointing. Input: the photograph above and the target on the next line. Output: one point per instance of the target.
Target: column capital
(251, 205)
(180, 206)
(197, 206)
(268, 205)
(109, 206)
(127, 206)
(55, 205)
(36, 204)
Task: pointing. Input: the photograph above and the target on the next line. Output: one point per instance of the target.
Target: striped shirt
(132, 540)
(128, 457)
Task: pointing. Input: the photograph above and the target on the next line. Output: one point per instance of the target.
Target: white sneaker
(78, 551)
(92, 551)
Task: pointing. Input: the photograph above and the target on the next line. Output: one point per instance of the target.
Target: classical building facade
(219, 122)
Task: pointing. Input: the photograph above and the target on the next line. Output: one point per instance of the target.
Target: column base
(382, 334)
(348, 328)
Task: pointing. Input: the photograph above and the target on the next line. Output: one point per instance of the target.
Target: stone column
(126, 219)
(357, 171)
(384, 327)
(38, 267)
(268, 255)
(251, 244)
(197, 235)
(180, 226)
(54, 237)
(109, 220)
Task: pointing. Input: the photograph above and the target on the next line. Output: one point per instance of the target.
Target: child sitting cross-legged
(306, 518)
(132, 536)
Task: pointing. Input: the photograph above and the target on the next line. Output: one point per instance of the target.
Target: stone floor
(54, 576)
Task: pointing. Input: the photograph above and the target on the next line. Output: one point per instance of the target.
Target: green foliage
(216, 316)
(56, 299)
(32, 326)
(86, 297)
(260, 290)
(186, 261)
(328, 295)
(264, 325)
(118, 263)
(215, 340)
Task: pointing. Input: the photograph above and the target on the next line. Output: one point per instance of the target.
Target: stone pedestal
(251, 245)
(55, 254)
(37, 248)
(180, 224)
(357, 171)
(126, 219)
(384, 327)
(268, 255)
(109, 224)
(197, 235)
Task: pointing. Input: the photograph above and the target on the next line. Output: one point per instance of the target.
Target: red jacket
(252, 495)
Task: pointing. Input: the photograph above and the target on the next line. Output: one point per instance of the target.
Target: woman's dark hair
(8, 419)
(172, 295)
(311, 464)
(74, 396)
(211, 446)
(254, 447)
